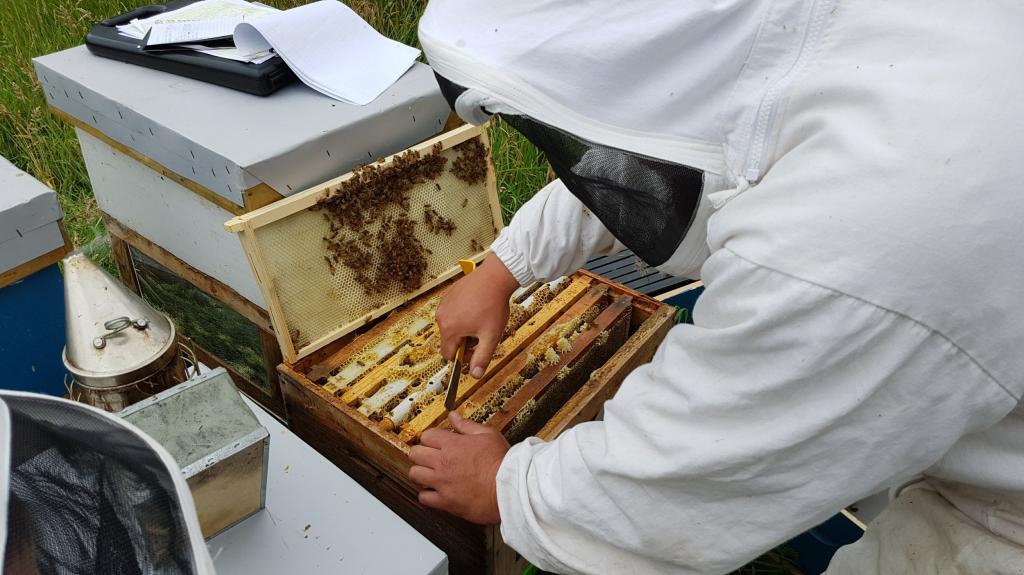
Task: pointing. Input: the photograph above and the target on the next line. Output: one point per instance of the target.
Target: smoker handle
(116, 326)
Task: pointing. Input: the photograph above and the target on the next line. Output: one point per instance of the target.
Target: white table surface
(319, 520)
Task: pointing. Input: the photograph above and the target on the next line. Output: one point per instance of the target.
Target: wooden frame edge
(254, 254)
(125, 264)
(492, 183)
(309, 197)
(854, 519)
(696, 284)
(214, 287)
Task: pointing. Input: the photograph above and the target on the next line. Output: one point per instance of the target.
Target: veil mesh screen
(89, 497)
(647, 204)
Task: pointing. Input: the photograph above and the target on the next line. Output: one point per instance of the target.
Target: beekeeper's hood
(628, 100)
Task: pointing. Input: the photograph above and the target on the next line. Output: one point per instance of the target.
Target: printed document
(331, 49)
(328, 46)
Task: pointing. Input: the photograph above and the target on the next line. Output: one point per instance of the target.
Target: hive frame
(541, 383)
(509, 350)
(482, 393)
(378, 459)
(247, 224)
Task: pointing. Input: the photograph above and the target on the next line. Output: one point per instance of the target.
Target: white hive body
(119, 349)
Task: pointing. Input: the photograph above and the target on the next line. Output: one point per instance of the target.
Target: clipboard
(259, 79)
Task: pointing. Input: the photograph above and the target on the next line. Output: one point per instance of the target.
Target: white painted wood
(228, 141)
(30, 245)
(169, 215)
(29, 218)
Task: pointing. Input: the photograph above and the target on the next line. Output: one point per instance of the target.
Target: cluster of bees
(371, 230)
(471, 165)
(397, 380)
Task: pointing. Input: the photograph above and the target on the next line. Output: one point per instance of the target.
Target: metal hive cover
(327, 267)
(202, 418)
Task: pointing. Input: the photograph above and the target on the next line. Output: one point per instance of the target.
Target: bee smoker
(119, 349)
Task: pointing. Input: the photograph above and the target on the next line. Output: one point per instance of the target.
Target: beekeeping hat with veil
(84, 493)
(628, 100)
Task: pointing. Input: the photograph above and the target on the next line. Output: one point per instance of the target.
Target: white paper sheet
(331, 49)
(162, 33)
(199, 11)
(236, 54)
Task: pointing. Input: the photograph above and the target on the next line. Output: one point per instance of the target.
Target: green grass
(44, 146)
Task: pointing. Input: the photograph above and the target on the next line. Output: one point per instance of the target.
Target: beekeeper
(847, 179)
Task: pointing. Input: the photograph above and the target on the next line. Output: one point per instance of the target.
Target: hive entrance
(333, 258)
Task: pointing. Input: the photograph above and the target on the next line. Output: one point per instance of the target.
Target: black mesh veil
(88, 495)
(646, 203)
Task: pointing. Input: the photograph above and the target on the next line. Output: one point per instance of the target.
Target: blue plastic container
(32, 333)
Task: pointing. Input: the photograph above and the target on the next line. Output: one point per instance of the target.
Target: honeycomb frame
(311, 302)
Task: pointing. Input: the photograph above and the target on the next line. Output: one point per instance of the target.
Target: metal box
(216, 440)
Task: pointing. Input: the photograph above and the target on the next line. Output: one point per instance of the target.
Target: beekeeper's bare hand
(476, 309)
(458, 469)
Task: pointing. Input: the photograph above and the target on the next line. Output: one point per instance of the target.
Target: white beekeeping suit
(847, 179)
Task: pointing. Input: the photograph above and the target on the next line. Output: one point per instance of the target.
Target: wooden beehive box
(362, 378)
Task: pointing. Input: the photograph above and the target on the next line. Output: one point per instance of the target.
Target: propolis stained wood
(332, 414)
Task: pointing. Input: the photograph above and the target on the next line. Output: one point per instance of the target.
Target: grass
(44, 146)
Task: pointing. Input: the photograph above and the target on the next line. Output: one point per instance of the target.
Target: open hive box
(362, 388)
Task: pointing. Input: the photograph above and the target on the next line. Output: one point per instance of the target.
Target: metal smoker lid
(113, 337)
